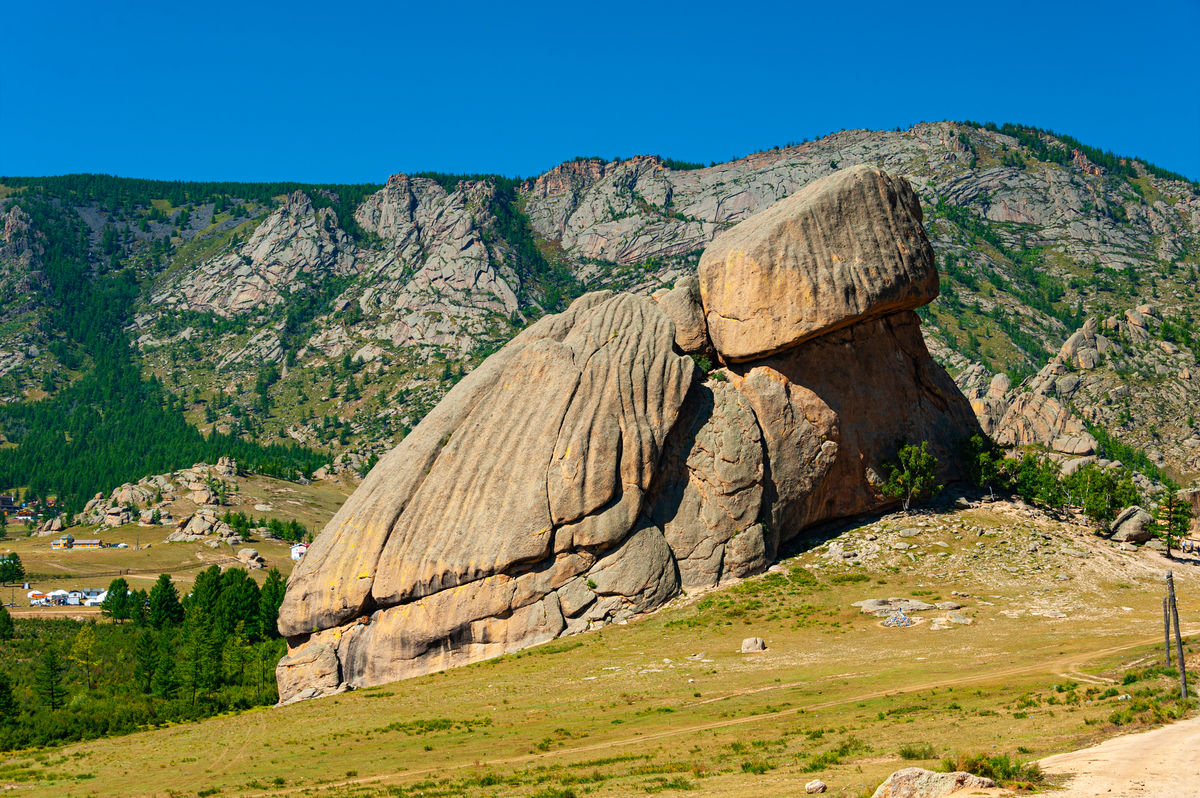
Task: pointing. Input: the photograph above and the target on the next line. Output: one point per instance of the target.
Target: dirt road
(1164, 763)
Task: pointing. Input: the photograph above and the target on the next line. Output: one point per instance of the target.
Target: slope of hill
(336, 316)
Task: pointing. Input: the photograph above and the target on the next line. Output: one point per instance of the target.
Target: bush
(917, 751)
(1001, 768)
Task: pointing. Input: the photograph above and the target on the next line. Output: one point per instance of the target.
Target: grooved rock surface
(845, 248)
(587, 472)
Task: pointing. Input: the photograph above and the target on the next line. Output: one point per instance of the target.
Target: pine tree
(270, 598)
(145, 661)
(7, 629)
(83, 652)
(116, 604)
(48, 681)
(1174, 514)
(166, 675)
(8, 702)
(165, 609)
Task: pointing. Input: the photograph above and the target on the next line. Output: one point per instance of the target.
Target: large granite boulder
(845, 248)
(1133, 525)
(588, 471)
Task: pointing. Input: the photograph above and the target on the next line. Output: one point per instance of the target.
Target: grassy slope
(625, 711)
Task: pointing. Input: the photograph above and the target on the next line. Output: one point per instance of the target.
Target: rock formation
(588, 470)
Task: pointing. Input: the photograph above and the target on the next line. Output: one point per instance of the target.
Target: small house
(87, 544)
(298, 550)
(64, 542)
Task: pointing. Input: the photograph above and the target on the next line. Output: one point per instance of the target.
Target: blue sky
(354, 91)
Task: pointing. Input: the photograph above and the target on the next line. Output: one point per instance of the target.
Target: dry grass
(632, 709)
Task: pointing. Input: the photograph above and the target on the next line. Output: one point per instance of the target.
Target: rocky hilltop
(589, 470)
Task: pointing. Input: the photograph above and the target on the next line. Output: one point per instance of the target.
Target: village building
(69, 542)
(298, 550)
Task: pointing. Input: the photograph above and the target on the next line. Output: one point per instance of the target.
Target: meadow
(1064, 649)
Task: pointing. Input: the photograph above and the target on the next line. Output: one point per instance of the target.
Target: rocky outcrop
(295, 243)
(587, 471)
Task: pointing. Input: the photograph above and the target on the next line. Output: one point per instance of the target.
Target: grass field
(1062, 651)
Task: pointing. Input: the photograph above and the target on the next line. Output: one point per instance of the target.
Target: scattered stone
(948, 605)
(815, 786)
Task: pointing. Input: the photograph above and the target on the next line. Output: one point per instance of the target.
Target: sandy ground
(1164, 763)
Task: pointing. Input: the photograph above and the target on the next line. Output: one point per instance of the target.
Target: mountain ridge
(415, 281)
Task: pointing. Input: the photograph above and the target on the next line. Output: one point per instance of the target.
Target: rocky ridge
(1034, 235)
(588, 471)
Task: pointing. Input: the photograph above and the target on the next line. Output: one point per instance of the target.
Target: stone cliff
(589, 470)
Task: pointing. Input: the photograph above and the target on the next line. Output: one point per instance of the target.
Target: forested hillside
(149, 325)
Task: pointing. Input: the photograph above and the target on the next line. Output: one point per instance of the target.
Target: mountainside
(335, 317)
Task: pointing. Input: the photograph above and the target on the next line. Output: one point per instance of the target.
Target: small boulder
(815, 786)
(921, 783)
(1133, 525)
(752, 644)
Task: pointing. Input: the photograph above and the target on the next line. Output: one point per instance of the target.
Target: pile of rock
(137, 500)
(204, 525)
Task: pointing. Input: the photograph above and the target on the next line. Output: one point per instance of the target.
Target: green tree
(165, 609)
(235, 654)
(238, 602)
(981, 461)
(83, 652)
(11, 569)
(270, 598)
(913, 477)
(166, 675)
(145, 660)
(8, 702)
(117, 604)
(7, 630)
(1101, 492)
(1173, 514)
(48, 681)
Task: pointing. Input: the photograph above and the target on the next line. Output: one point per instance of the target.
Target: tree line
(163, 659)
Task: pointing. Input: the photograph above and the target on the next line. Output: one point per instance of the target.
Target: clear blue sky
(354, 91)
